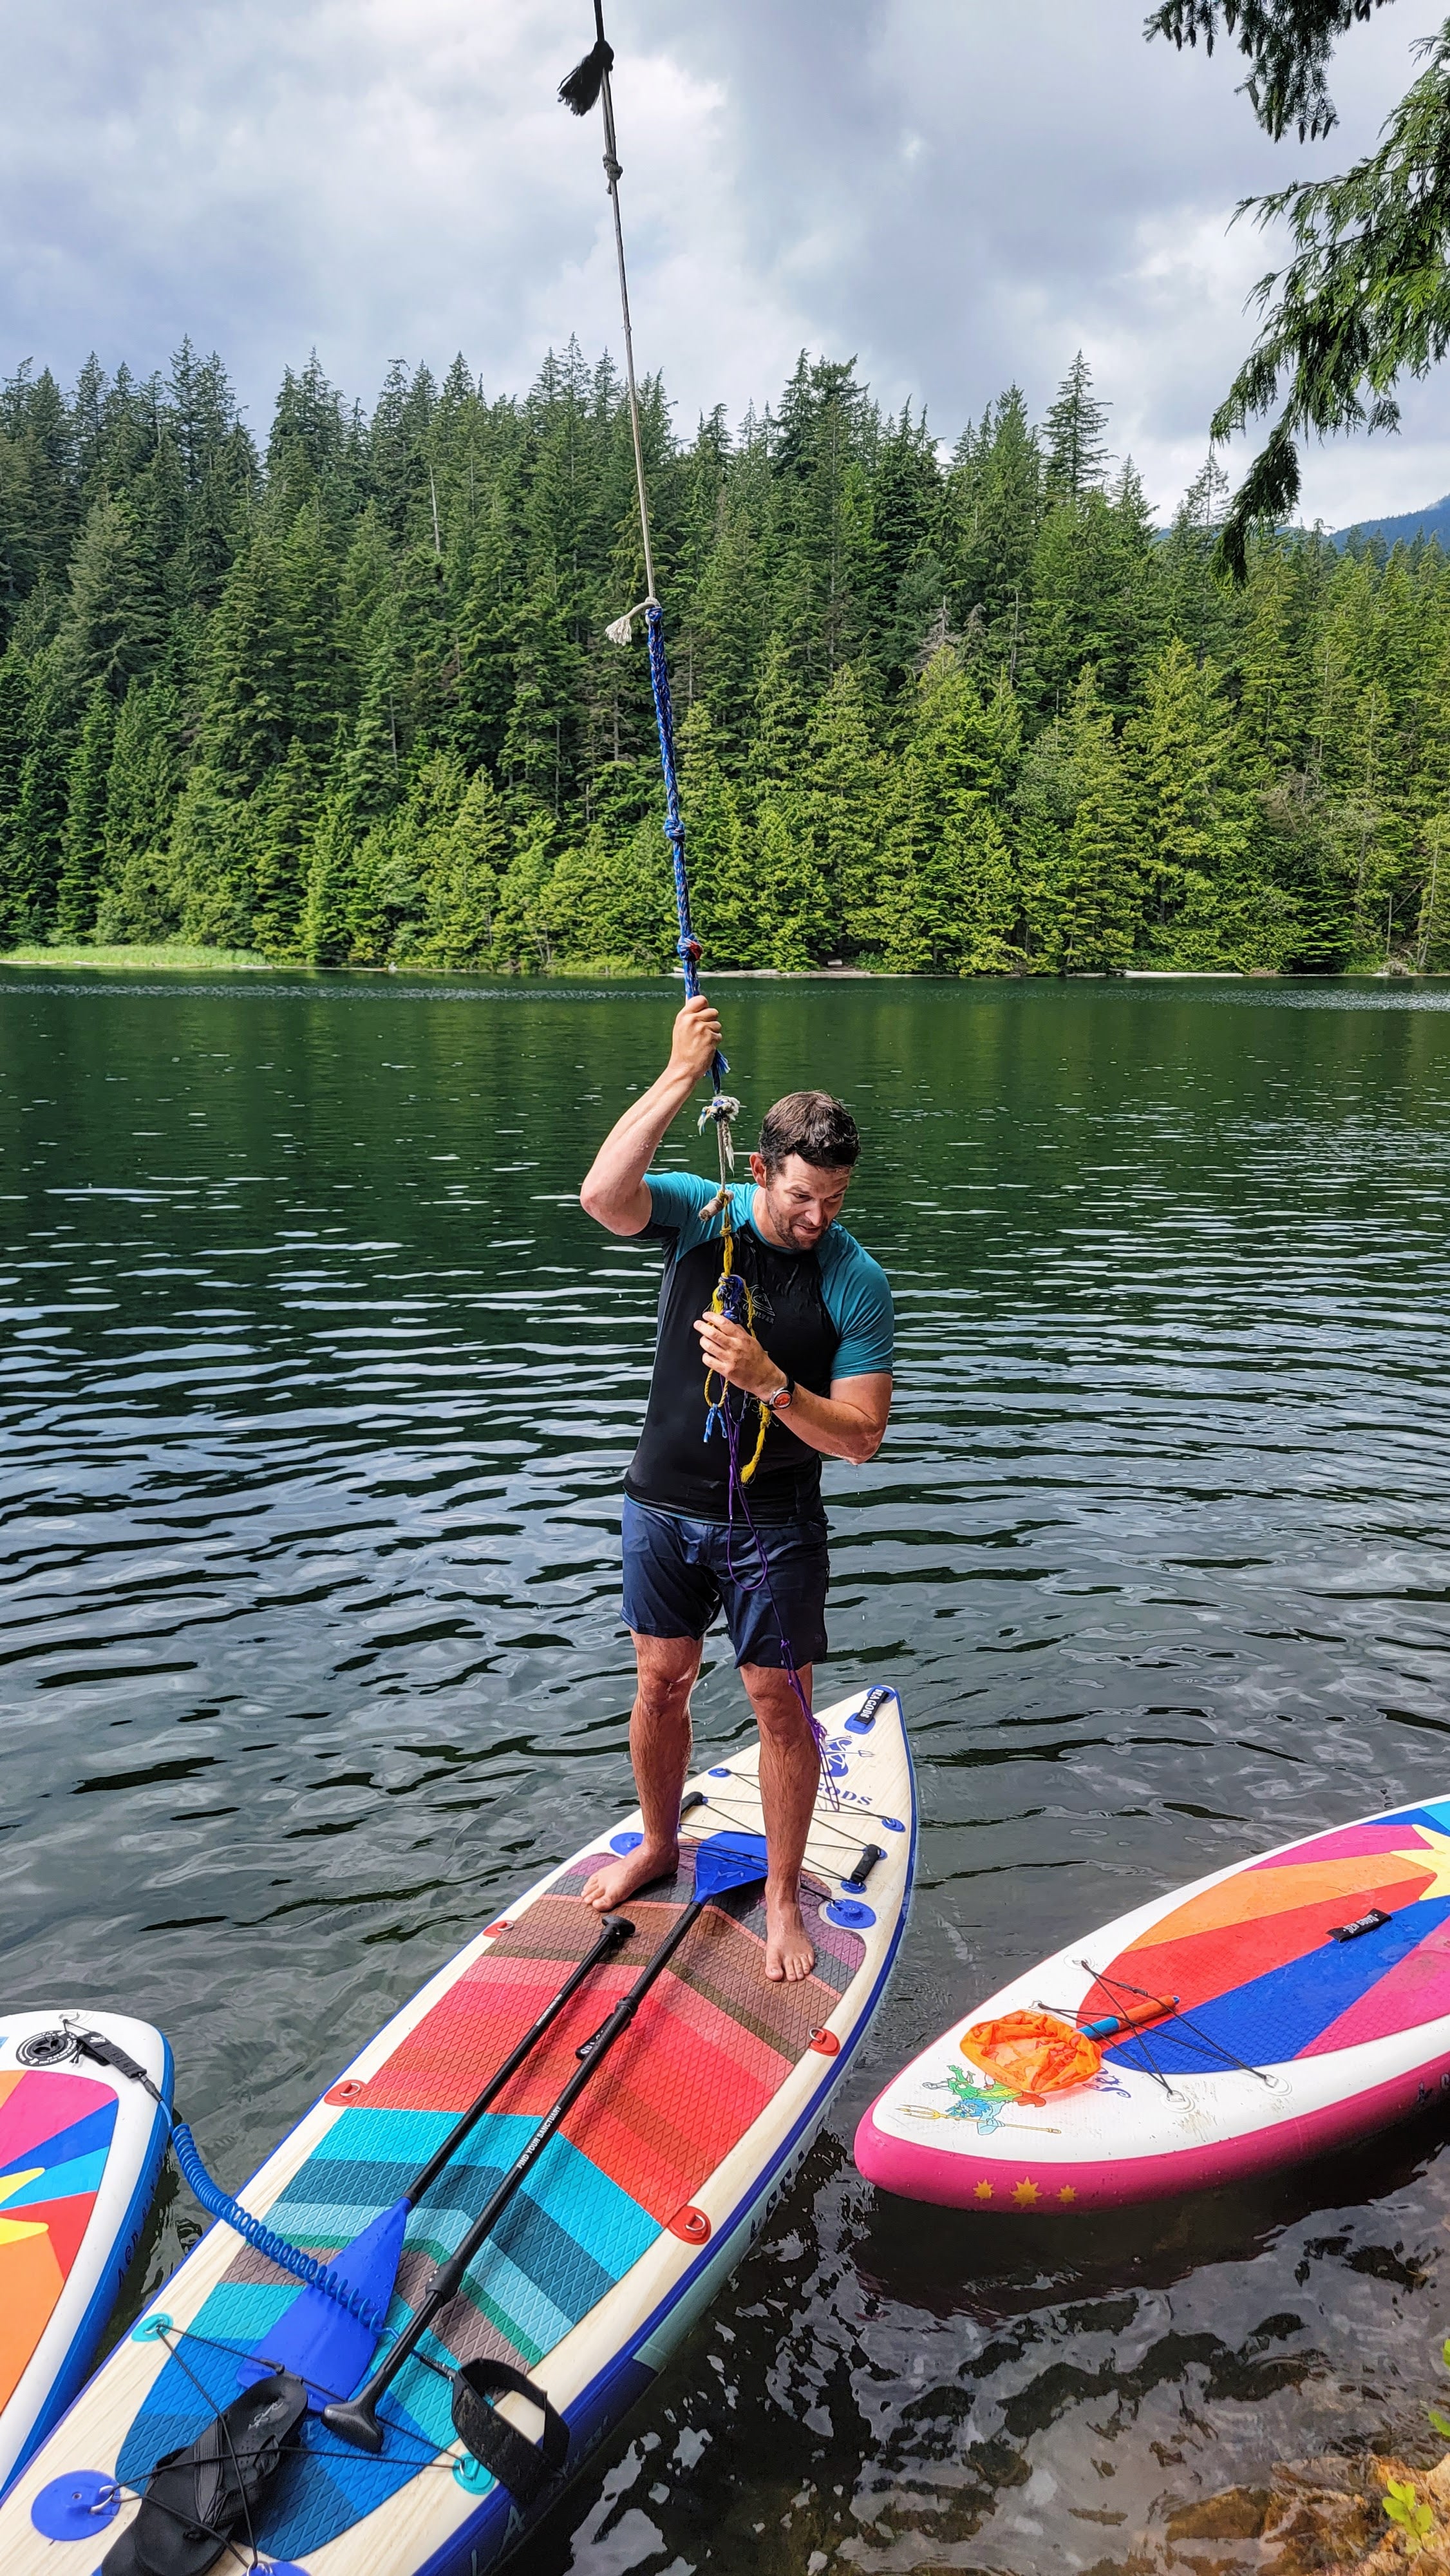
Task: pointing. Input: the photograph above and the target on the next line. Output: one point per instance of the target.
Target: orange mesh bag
(1035, 2053)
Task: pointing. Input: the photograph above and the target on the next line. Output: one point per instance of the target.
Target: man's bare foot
(789, 1955)
(609, 1887)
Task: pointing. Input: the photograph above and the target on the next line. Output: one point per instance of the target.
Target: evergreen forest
(350, 700)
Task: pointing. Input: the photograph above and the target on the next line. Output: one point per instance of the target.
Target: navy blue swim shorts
(680, 1574)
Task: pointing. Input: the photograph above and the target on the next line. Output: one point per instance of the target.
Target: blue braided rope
(687, 945)
(719, 1417)
(288, 2258)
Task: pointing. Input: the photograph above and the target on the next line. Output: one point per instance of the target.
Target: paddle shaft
(355, 2418)
(616, 1931)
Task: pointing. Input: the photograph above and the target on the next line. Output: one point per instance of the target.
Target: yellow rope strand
(717, 1307)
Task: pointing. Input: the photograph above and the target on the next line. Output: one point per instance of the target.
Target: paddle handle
(616, 1931)
(355, 2418)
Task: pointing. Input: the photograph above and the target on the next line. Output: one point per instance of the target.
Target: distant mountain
(1431, 522)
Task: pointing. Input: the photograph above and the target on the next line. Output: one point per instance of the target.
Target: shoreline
(187, 958)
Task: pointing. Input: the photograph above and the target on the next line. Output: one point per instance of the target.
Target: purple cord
(762, 1582)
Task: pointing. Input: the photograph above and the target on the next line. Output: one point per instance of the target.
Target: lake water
(317, 1390)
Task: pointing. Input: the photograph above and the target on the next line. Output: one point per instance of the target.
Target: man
(818, 1366)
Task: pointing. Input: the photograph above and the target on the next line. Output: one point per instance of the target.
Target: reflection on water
(317, 1390)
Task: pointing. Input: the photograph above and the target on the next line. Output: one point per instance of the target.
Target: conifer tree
(112, 623)
(329, 903)
(1074, 431)
(1100, 891)
(995, 502)
(311, 678)
(14, 700)
(727, 913)
(462, 867)
(485, 641)
(147, 767)
(845, 810)
(208, 874)
(282, 816)
(36, 839)
(83, 848)
(1178, 753)
(786, 881)
(249, 673)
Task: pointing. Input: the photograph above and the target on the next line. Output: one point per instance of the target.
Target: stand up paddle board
(80, 2152)
(1286, 2006)
(703, 2088)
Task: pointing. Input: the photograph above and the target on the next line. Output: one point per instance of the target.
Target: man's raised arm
(615, 1193)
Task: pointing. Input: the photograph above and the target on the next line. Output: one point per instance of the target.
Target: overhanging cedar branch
(1365, 300)
(1287, 43)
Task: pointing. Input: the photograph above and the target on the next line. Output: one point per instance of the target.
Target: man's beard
(805, 1232)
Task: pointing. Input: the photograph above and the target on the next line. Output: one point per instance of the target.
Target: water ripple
(317, 1391)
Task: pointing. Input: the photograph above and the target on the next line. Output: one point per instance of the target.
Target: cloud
(958, 193)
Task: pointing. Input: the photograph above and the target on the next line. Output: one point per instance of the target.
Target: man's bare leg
(790, 1774)
(659, 1748)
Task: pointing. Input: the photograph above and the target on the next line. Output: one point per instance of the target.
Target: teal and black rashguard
(822, 1315)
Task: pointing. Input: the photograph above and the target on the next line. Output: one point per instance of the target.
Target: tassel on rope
(579, 92)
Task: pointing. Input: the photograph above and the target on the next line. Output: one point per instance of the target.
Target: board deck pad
(1284, 2042)
(627, 2226)
(708, 2051)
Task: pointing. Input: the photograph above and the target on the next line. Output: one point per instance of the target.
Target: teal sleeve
(676, 1199)
(858, 1300)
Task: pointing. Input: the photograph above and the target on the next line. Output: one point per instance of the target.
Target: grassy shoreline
(233, 961)
(186, 957)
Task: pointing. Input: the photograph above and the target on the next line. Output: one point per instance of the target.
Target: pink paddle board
(1302, 2023)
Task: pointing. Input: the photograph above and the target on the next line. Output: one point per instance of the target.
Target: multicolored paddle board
(634, 2215)
(1302, 2022)
(80, 2152)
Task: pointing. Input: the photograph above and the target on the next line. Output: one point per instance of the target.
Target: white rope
(614, 173)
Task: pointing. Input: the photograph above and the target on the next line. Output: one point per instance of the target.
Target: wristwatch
(783, 1398)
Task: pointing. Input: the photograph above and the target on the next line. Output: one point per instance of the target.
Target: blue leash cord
(216, 2202)
(288, 2258)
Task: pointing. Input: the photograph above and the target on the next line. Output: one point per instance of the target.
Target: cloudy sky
(959, 192)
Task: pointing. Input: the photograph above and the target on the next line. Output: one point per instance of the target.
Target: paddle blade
(315, 2338)
(1033, 2053)
(729, 1860)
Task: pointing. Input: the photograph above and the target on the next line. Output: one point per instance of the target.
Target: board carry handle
(861, 1868)
(525, 2468)
(1374, 1921)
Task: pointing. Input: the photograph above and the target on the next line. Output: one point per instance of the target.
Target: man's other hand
(696, 1039)
(737, 1356)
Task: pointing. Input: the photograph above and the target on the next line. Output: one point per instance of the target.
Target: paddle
(725, 1862)
(316, 2337)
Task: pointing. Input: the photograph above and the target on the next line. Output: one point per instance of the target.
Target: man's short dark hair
(813, 1125)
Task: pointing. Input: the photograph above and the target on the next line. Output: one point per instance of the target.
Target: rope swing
(588, 83)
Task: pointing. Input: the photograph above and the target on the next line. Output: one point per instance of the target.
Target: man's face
(801, 1198)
